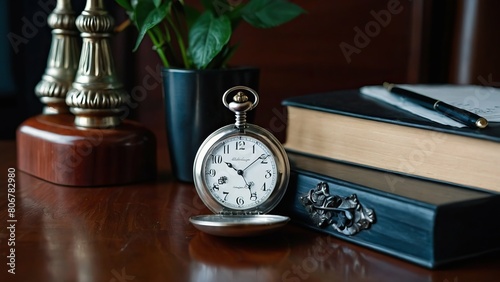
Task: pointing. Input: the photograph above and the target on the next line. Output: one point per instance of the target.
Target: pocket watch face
(240, 172)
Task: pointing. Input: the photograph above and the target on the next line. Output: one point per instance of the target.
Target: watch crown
(240, 97)
(240, 104)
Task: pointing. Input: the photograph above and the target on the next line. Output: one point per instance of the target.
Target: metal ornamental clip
(345, 214)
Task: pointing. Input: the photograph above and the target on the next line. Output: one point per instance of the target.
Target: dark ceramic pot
(194, 109)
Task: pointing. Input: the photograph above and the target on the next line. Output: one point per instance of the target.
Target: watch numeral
(253, 197)
(215, 187)
(216, 159)
(253, 149)
(264, 158)
(268, 173)
(226, 149)
(240, 201)
(225, 195)
(264, 187)
(240, 145)
(211, 172)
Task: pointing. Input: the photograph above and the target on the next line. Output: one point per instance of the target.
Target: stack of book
(382, 177)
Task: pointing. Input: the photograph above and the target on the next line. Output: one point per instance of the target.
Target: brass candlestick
(97, 95)
(62, 61)
(94, 147)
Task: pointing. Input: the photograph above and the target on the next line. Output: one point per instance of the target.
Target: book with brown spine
(350, 127)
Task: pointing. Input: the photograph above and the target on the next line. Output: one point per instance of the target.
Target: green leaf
(270, 13)
(135, 3)
(220, 61)
(153, 18)
(125, 4)
(140, 12)
(207, 37)
(141, 9)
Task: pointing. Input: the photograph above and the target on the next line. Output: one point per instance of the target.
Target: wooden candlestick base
(52, 148)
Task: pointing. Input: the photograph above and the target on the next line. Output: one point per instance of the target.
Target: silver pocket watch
(241, 173)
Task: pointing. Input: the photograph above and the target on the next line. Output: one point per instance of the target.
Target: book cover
(424, 222)
(351, 127)
(354, 104)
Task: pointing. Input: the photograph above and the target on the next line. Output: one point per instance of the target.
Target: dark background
(426, 42)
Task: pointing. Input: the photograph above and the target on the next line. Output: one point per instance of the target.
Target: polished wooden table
(141, 232)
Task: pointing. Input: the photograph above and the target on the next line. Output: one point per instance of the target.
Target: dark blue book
(350, 127)
(424, 222)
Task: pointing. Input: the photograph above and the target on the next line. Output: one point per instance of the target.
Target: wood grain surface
(141, 232)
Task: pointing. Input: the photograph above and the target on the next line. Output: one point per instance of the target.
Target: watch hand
(263, 156)
(248, 185)
(230, 165)
(239, 171)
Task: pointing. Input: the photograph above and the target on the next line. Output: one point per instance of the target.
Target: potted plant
(194, 45)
